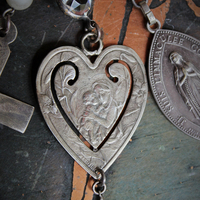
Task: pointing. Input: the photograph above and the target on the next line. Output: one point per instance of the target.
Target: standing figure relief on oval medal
(187, 80)
(177, 92)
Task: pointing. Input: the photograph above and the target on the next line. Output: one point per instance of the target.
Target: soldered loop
(91, 53)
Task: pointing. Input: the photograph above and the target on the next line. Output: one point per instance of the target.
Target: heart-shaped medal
(92, 109)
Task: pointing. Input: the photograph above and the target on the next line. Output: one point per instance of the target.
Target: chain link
(151, 20)
(99, 187)
(6, 21)
(87, 52)
(92, 26)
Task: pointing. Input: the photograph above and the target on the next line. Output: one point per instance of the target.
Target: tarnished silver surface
(174, 72)
(104, 102)
(4, 49)
(15, 114)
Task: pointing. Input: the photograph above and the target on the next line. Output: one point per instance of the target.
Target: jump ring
(91, 53)
(98, 30)
(102, 178)
(6, 21)
(99, 192)
(154, 30)
(9, 11)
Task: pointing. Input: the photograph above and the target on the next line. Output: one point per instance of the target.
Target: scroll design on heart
(95, 105)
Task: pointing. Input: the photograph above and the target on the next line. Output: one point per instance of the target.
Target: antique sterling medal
(94, 108)
(174, 74)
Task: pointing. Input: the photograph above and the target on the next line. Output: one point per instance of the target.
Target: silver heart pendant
(93, 109)
(175, 79)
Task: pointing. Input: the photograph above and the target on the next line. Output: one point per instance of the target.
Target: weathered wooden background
(160, 162)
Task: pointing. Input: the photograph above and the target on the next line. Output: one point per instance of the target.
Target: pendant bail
(91, 53)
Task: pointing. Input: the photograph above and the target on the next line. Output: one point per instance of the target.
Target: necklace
(92, 108)
(174, 74)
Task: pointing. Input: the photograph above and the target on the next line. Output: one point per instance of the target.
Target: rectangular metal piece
(14, 113)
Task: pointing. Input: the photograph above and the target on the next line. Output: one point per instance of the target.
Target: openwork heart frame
(83, 102)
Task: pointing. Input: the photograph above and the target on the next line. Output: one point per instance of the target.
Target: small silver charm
(13, 113)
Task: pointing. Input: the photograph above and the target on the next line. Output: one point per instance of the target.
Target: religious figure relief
(93, 105)
(99, 114)
(187, 80)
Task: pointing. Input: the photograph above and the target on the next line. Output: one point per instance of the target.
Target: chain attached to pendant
(151, 20)
(99, 187)
(94, 36)
(92, 26)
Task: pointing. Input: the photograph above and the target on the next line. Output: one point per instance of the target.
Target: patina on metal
(13, 113)
(92, 108)
(104, 102)
(5, 40)
(174, 75)
(175, 79)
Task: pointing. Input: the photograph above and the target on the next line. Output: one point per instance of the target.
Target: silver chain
(151, 20)
(99, 187)
(94, 35)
